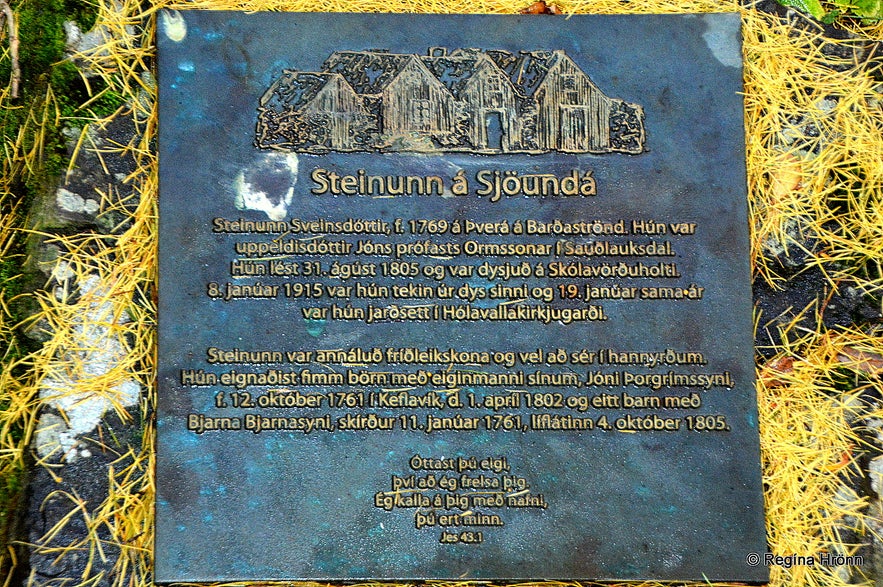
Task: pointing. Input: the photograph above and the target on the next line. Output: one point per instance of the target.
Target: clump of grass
(813, 399)
(17, 406)
(32, 155)
(833, 178)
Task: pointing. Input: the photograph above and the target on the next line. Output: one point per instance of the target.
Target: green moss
(83, 13)
(42, 60)
(71, 93)
(11, 489)
(13, 473)
(42, 40)
(107, 104)
(41, 37)
(9, 272)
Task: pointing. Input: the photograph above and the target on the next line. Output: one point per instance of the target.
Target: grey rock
(96, 349)
(47, 440)
(84, 46)
(68, 201)
(875, 474)
(64, 503)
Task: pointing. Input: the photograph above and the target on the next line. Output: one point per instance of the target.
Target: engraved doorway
(573, 129)
(495, 130)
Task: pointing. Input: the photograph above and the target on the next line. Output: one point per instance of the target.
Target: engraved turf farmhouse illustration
(487, 101)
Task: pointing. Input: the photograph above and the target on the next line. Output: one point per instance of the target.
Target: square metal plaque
(454, 297)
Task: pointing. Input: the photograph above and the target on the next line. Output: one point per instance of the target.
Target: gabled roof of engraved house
(368, 72)
(295, 89)
(453, 72)
(528, 69)
(456, 70)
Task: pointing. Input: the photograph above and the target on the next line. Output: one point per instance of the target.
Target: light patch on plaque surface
(672, 560)
(173, 25)
(267, 186)
(722, 37)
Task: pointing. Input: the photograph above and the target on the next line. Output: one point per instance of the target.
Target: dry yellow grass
(833, 186)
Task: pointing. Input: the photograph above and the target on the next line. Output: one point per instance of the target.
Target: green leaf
(863, 8)
(831, 17)
(814, 7)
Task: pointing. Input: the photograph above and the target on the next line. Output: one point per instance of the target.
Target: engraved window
(569, 89)
(420, 111)
(494, 89)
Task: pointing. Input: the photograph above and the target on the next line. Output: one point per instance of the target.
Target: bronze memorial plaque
(454, 297)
